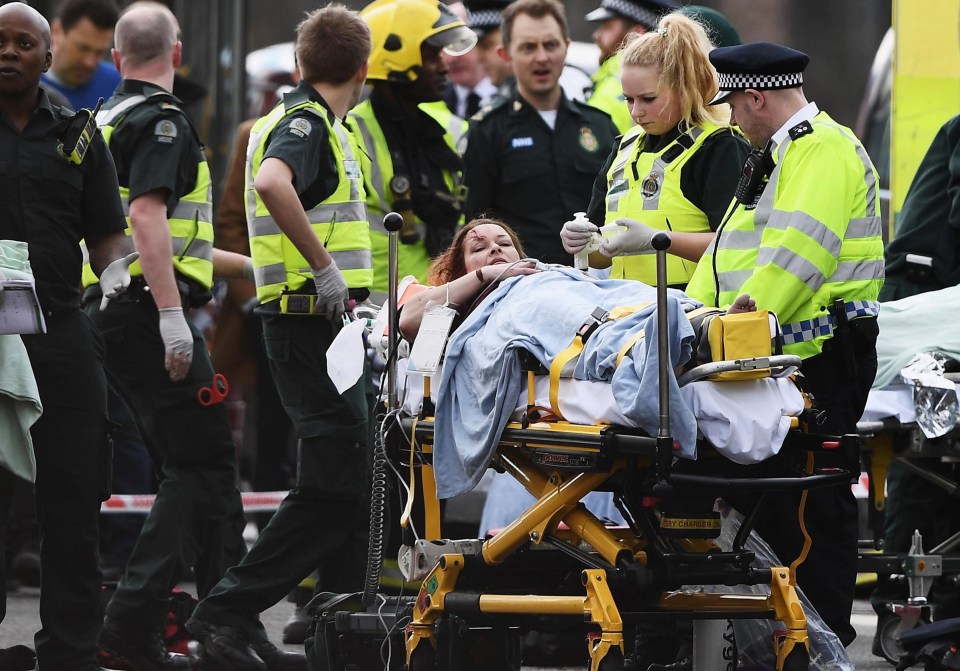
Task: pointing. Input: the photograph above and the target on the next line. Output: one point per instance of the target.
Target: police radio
(77, 134)
(756, 168)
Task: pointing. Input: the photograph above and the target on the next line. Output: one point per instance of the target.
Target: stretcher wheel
(885, 643)
(612, 661)
(423, 657)
(797, 660)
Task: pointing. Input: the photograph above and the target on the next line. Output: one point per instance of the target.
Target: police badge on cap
(644, 12)
(758, 65)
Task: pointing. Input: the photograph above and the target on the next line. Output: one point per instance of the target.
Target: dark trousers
(73, 456)
(274, 462)
(197, 517)
(829, 573)
(323, 521)
(132, 474)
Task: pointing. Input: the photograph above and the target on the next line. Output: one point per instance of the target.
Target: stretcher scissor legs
(437, 596)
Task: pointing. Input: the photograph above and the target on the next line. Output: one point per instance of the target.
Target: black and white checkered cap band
(740, 82)
(485, 18)
(641, 15)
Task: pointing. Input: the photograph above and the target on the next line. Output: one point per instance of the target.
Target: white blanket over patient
(541, 313)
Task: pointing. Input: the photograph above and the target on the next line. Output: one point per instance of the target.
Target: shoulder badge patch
(300, 127)
(588, 140)
(165, 131)
(801, 129)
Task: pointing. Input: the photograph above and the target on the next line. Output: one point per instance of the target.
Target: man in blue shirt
(82, 33)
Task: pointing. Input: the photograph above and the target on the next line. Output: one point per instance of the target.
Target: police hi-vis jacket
(646, 186)
(813, 236)
(340, 221)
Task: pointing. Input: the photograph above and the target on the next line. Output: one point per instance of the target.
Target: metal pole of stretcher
(392, 221)
(661, 243)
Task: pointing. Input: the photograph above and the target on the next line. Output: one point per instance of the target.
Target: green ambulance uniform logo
(588, 140)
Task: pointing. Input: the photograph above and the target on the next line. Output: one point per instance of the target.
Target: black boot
(142, 649)
(275, 658)
(224, 648)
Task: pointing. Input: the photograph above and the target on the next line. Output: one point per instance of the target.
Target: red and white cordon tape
(253, 502)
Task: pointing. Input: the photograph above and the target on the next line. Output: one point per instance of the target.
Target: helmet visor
(455, 40)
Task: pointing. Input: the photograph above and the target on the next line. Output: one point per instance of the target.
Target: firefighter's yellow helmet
(399, 27)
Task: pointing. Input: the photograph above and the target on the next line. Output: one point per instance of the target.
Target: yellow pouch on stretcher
(738, 336)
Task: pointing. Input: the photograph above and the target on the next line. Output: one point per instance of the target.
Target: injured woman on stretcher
(506, 306)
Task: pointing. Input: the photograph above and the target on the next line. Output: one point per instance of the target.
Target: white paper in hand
(346, 355)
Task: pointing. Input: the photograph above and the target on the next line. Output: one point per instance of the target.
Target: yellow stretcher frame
(558, 492)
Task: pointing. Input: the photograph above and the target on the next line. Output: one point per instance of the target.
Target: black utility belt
(192, 294)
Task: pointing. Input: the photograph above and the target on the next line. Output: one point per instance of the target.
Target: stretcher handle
(778, 364)
(661, 243)
(762, 484)
(392, 221)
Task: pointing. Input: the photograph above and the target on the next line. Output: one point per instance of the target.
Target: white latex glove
(331, 292)
(575, 235)
(635, 240)
(177, 341)
(115, 278)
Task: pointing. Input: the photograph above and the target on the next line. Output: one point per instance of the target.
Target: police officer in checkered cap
(762, 66)
(803, 240)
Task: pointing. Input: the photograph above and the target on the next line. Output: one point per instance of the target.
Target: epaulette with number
(801, 129)
(489, 108)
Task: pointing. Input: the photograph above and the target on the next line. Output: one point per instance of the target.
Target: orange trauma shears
(215, 393)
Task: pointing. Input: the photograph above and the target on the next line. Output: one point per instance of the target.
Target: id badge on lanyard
(431, 339)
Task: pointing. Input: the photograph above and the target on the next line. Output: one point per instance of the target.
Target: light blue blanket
(541, 313)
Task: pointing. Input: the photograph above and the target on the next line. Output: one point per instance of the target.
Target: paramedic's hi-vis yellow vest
(813, 237)
(607, 93)
(190, 222)
(340, 221)
(646, 186)
(377, 168)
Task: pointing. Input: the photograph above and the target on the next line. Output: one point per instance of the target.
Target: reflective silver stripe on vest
(794, 264)
(351, 169)
(194, 248)
(321, 214)
(376, 174)
(732, 280)
(188, 209)
(455, 128)
(84, 252)
(858, 271)
(250, 192)
(355, 259)
(809, 226)
(742, 239)
(618, 185)
(108, 116)
(864, 227)
(272, 274)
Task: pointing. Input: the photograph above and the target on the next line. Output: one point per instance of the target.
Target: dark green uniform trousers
(73, 466)
(322, 524)
(197, 519)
